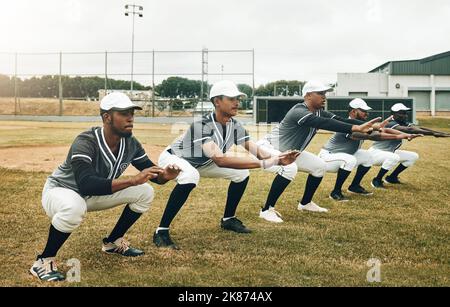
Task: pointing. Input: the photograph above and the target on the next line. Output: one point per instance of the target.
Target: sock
(400, 168)
(278, 186)
(235, 192)
(340, 179)
(381, 174)
(55, 240)
(310, 189)
(360, 173)
(176, 200)
(126, 220)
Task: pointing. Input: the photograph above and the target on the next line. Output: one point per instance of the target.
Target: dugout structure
(273, 109)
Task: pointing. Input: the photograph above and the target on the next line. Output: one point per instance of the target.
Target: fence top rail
(126, 52)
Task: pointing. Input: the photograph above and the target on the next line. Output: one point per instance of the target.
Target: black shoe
(162, 239)
(392, 180)
(120, 247)
(235, 225)
(338, 196)
(377, 183)
(359, 190)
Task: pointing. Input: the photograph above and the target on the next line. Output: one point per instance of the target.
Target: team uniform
(83, 182)
(187, 152)
(296, 131)
(387, 154)
(342, 152)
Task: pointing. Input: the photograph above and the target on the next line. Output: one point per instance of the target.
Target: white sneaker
(313, 207)
(271, 215)
(45, 269)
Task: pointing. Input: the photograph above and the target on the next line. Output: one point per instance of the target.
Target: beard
(120, 133)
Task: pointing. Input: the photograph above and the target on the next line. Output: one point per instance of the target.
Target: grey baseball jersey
(190, 145)
(343, 143)
(391, 145)
(300, 125)
(91, 147)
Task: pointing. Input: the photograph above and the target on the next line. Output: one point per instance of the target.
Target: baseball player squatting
(388, 155)
(296, 131)
(202, 152)
(343, 152)
(88, 180)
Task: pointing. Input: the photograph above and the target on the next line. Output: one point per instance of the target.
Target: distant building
(134, 95)
(427, 81)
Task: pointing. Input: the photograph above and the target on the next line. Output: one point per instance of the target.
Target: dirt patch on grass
(47, 158)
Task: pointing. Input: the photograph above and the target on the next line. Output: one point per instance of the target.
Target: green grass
(407, 228)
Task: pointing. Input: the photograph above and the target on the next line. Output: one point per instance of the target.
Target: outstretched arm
(421, 130)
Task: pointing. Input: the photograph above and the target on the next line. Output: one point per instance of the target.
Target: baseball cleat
(271, 215)
(234, 224)
(392, 180)
(378, 184)
(359, 190)
(338, 196)
(312, 207)
(120, 247)
(162, 239)
(45, 269)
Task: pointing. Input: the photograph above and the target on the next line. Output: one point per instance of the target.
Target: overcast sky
(295, 40)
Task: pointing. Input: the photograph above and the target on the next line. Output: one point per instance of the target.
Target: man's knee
(145, 195)
(350, 163)
(412, 159)
(240, 175)
(189, 176)
(319, 168)
(289, 172)
(70, 218)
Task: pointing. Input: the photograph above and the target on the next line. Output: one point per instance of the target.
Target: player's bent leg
(364, 163)
(66, 208)
(316, 167)
(407, 159)
(387, 160)
(187, 180)
(239, 180)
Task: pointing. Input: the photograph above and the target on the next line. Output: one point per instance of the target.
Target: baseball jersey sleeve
(141, 160)
(329, 124)
(84, 149)
(241, 134)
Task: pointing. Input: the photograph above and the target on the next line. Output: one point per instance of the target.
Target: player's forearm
(236, 163)
(414, 130)
(329, 125)
(121, 184)
(257, 151)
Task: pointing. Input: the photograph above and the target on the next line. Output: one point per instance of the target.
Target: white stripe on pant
(67, 208)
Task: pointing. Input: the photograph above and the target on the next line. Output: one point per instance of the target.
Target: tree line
(172, 87)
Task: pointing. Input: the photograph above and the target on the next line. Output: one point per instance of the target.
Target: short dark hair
(103, 112)
(212, 98)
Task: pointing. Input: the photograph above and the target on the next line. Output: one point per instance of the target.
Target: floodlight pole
(139, 13)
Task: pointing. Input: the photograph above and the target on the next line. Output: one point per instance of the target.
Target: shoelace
(123, 246)
(49, 266)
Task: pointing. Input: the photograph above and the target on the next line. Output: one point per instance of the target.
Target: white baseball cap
(117, 102)
(399, 107)
(315, 86)
(358, 103)
(225, 88)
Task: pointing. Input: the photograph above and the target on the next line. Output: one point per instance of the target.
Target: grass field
(407, 227)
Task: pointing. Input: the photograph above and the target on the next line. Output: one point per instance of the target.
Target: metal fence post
(106, 71)
(61, 107)
(15, 84)
(153, 83)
